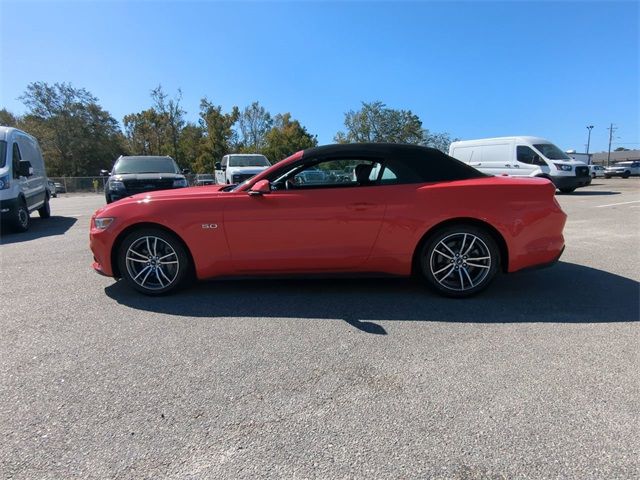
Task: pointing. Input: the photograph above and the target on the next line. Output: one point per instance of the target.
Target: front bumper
(8, 208)
(571, 182)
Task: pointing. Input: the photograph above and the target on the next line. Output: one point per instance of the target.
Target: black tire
(568, 189)
(165, 277)
(593, 175)
(438, 268)
(626, 174)
(22, 221)
(607, 176)
(45, 210)
(107, 197)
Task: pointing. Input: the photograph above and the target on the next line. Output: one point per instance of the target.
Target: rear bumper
(571, 182)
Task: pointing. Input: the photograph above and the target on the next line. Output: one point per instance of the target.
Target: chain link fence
(91, 184)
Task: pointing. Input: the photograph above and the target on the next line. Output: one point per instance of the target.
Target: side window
(16, 160)
(527, 155)
(224, 161)
(337, 173)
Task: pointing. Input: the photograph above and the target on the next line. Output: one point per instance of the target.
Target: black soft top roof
(411, 163)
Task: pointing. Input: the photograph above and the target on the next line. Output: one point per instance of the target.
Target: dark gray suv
(144, 173)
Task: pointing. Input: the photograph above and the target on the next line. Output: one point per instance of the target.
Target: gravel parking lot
(536, 378)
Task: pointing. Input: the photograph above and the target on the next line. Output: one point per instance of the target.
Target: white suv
(623, 169)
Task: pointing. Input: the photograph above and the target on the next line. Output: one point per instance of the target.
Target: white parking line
(614, 204)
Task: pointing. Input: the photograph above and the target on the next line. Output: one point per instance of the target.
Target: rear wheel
(626, 174)
(567, 190)
(460, 260)
(45, 210)
(153, 261)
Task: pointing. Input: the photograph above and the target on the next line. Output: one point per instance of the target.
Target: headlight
(563, 167)
(181, 182)
(102, 223)
(116, 185)
(5, 182)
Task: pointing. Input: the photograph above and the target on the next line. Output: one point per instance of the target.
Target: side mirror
(104, 173)
(260, 188)
(186, 171)
(537, 160)
(25, 169)
(217, 166)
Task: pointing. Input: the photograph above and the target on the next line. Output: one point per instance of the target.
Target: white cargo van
(23, 179)
(523, 157)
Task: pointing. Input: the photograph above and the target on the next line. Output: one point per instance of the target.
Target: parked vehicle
(204, 179)
(60, 188)
(408, 209)
(623, 169)
(237, 168)
(23, 179)
(51, 186)
(523, 157)
(596, 171)
(138, 174)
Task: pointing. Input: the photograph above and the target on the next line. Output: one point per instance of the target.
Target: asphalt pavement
(538, 377)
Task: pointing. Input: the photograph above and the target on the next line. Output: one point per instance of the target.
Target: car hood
(246, 170)
(147, 176)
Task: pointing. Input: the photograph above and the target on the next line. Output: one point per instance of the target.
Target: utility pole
(611, 130)
(589, 127)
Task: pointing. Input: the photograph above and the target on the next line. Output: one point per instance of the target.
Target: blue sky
(471, 69)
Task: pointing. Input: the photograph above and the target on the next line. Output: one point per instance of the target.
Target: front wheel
(626, 174)
(567, 190)
(153, 261)
(21, 221)
(460, 260)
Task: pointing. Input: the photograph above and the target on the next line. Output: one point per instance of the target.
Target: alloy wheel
(460, 261)
(152, 263)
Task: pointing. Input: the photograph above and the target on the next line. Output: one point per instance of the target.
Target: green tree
(286, 137)
(220, 136)
(77, 136)
(8, 119)
(254, 123)
(169, 119)
(192, 147)
(377, 123)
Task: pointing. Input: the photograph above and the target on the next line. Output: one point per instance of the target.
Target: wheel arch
(123, 234)
(497, 236)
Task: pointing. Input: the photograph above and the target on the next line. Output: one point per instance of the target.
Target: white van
(23, 179)
(523, 157)
(238, 167)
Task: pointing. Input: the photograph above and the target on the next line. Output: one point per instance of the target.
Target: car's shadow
(40, 227)
(588, 193)
(566, 293)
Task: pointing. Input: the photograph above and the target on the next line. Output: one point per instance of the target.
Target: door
(329, 223)
(530, 161)
(33, 187)
(497, 159)
(220, 174)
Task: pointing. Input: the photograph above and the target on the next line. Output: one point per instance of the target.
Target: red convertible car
(356, 208)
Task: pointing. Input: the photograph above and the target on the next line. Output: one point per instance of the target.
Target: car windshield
(248, 161)
(145, 165)
(3, 153)
(550, 151)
